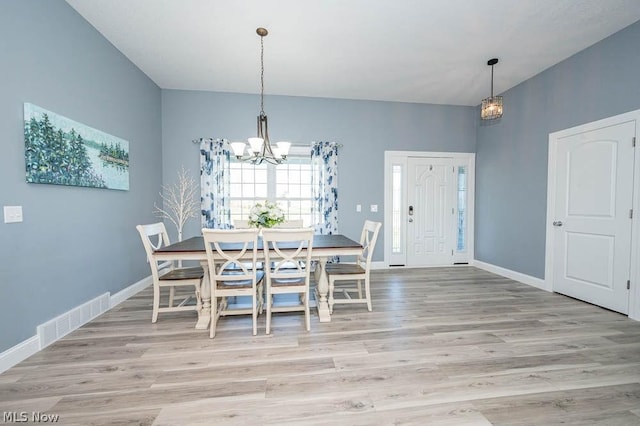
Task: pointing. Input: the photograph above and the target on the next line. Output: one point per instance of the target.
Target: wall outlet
(374, 208)
(12, 214)
(358, 208)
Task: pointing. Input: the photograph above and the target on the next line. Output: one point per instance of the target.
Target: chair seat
(344, 269)
(242, 283)
(183, 273)
(283, 282)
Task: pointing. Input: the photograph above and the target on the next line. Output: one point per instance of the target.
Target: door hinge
(628, 284)
(630, 213)
(633, 142)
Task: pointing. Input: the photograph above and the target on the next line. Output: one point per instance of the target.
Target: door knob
(410, 219)
(557, 223)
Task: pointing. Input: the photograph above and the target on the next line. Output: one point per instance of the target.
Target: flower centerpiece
(265, 215)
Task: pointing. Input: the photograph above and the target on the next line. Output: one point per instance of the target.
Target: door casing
(392, 158)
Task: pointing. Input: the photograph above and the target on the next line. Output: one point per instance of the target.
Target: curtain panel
(324, 170)
(215, 160)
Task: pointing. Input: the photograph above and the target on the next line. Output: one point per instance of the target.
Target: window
(461, 223)
(288, 184)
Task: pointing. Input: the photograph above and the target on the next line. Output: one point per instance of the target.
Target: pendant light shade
(492, 106)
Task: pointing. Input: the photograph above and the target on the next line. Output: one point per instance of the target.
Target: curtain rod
(292, 145)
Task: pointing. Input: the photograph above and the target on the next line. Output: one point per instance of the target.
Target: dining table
(324, 248)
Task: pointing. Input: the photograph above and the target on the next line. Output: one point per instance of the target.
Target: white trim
(378, 265)
(127, 292)
(516, 276)
(58, 327)
(399, 156)
(634, 294)
(19, 352)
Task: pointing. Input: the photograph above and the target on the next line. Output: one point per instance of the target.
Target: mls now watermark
(24, 416)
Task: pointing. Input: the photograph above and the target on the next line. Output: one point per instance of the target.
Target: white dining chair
(358, 271)
(168, 273)
(231, 259)
(240, 224)
(288, 252)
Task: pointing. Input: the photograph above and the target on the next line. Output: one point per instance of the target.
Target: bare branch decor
(180, 201)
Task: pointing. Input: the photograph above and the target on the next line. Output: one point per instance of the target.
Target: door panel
(592, 237)
(430, 228)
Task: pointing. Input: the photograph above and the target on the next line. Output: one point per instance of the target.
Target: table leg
(322, 290)
(204, 315)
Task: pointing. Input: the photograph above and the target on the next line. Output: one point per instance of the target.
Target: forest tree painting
(61, 151)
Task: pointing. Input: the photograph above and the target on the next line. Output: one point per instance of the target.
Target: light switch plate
(358, 207)
(12, 214)
(374, 208)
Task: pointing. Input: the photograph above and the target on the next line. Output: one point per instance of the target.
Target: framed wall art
(61, 151)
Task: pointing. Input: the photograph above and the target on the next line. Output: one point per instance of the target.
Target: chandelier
(491, 106)
(260, 148)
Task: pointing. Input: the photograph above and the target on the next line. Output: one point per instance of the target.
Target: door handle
(557, 223)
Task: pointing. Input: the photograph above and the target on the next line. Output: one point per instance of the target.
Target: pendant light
(260, 148)
(491, 106)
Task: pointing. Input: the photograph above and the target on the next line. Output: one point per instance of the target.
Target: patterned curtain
(324, 166)
(214, 183)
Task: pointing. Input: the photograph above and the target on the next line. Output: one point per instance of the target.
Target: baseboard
(378, 265)
(517, 276)
(127, 292)
(60, 326)
(19, 352)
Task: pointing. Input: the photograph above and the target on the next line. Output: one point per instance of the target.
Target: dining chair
(358, 271)
(168, 273)
(288, 252)
(293, 223)
(240, 224)
(231, 259)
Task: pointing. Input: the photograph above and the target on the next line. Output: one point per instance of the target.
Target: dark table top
(196, 244)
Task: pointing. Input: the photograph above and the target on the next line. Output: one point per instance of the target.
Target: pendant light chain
(262, 75)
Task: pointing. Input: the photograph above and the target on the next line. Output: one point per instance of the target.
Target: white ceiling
(425, 51)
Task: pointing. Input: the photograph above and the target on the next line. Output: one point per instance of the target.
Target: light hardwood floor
(444, 346)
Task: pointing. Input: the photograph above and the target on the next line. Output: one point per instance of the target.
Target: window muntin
(288, 184)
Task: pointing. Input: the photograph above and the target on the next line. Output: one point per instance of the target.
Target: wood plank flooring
(444, 346)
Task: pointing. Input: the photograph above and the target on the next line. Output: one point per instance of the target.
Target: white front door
(430, 228)
(592, 223)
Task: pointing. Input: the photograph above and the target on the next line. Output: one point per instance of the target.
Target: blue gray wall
(365, 129)
(75, 243)
(512, 153)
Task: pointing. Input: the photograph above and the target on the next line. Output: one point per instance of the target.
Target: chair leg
(156, 303)
(269, 303)
(254, 313)
(367, 291)
(307, 314)
(172, 293)
(214, 316)
(260, 299)
(359, 289)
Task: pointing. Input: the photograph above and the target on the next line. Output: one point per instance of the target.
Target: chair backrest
(368, 240)
(288, 251)
(154, 236)
(294, 223)
(244, 224)
(241, 224)
(230, 250)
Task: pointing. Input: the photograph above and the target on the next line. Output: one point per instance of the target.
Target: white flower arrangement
(265, 215)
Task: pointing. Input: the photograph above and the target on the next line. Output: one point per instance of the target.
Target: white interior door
(430, 228)
(592, 220)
